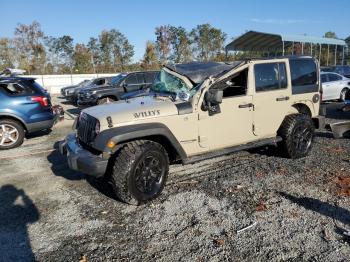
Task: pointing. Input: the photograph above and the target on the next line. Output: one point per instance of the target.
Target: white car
(334, 86)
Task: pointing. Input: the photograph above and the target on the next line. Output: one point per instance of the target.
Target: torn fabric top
(197, 72)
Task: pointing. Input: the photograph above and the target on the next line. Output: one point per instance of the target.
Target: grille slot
(86, 128)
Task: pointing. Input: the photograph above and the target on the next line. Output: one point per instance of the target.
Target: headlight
(97, 127)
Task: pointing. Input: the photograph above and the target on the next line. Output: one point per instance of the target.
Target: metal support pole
(293, 48)
(283, 48)
(342, 59)
(302, 48)
(311, 48)
(335, 55)
(328, 56)
(320, 57)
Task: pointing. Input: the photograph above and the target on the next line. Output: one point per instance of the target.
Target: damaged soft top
(197, 72)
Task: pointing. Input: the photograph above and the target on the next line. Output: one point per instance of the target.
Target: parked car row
(103, 90)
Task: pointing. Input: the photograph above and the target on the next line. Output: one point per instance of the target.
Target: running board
(226, 151)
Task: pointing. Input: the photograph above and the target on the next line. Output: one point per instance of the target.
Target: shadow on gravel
(323, 208)
(16, 211)
(59, 167)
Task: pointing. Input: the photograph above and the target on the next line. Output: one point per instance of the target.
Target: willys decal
(147, 113)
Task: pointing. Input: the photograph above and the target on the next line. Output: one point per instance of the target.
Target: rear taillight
(42, 100)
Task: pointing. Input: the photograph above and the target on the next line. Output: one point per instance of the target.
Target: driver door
(234, 124)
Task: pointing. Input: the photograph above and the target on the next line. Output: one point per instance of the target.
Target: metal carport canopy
(347, 40)
(259, 41)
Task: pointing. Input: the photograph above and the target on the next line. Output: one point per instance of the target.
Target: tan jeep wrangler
(193, 112)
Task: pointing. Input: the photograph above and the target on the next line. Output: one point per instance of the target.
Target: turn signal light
(111, 144)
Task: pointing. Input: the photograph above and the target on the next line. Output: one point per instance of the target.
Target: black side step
(226, 151)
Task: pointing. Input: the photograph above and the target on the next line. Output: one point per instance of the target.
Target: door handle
(246, 105)
(282, 98)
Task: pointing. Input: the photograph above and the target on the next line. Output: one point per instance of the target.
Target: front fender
(133, 132)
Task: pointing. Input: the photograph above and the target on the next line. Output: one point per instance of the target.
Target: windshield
(170, 84)
(117, 79)
(85, 83)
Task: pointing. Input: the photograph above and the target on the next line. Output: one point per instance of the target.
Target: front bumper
(84, 101)
(82, 160)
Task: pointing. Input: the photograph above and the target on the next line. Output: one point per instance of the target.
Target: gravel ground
(246, 206)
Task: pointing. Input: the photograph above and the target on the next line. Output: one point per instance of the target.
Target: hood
(69, 87)
(133, 110)
(93, 88)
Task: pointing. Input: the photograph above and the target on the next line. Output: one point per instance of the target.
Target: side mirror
(212, 101)
(213, 96)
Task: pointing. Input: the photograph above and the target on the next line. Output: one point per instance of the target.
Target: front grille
(86, 128)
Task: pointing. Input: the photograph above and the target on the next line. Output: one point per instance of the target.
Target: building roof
(259, 41)
(197, 72)
(347, 40)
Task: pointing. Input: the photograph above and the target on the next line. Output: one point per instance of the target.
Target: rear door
(272, 96)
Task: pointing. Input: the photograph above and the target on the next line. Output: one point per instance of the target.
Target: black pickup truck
(119, 85)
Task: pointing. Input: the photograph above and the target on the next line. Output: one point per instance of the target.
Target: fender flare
(15, 117)
(124, 134)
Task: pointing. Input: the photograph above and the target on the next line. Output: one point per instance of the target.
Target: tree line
(111, 51)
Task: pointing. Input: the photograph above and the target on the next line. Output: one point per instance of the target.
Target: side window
(270, 76)
(100, 82)
(140, 78)
(304, 75)
(234, 85)
(324, 78)
(131, 79)
(333, 77)
(150, 76)
(13, 89)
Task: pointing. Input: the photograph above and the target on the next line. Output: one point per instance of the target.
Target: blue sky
(137, 19)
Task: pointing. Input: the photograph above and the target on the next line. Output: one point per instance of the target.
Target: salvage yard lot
(246, 206)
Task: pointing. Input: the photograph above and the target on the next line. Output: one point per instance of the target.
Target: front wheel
(140, 171)
(297, 132)
(11, 134)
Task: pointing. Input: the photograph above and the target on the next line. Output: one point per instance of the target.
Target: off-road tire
(297, 132)
(19, 135)
(105, 100)
(127, 165)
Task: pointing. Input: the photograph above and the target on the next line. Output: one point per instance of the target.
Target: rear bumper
(80, 159)
(41, 125)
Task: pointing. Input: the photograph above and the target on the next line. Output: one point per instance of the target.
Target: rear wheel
(11, 134)
(140, 171)
(297, 132)
(105, 100)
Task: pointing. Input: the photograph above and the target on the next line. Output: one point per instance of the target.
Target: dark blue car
(25, 107)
